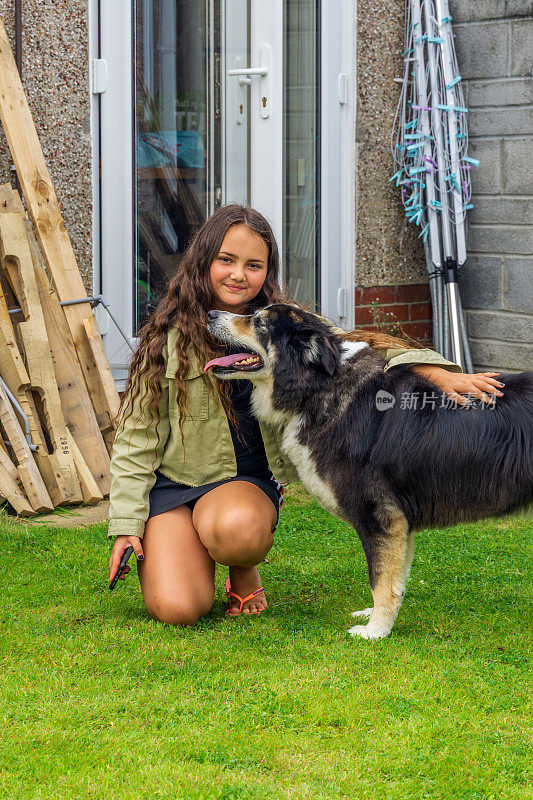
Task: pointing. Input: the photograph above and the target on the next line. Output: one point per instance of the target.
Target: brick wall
(494, 40)
(55, 77)
(397, 310)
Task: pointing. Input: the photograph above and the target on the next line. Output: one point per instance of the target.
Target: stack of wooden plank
(58, 399)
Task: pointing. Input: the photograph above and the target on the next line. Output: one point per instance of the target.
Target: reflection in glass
(301, 151)
(193, 128)
(170, 75)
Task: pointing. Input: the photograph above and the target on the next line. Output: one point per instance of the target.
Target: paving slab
(73, 516)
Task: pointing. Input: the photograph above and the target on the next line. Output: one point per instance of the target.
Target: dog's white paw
(365, 612)
(368, 632)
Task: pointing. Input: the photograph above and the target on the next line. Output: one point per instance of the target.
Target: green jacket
(208, 454)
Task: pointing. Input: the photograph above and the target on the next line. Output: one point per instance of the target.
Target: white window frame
(338, 200)
(113, 205)
(94, 116)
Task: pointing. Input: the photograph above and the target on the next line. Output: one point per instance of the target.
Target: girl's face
(239, 270)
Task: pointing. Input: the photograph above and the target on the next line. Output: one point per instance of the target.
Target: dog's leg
(364, 613)
(389, 552)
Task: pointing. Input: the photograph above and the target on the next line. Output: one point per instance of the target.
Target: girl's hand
(455, 385)
(121, 544)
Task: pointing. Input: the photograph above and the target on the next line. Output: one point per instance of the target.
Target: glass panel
(301, 151)
(173, 54)
(192, 133)
(188, 159)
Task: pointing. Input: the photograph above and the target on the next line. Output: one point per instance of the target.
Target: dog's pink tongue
(226, 361)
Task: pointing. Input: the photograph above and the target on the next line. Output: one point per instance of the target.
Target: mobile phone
(120, 569)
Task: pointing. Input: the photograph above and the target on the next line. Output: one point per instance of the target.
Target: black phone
(120, 569)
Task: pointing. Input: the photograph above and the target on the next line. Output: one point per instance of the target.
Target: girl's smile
(239, 270)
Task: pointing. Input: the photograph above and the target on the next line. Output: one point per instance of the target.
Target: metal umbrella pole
(454, 251)
(441, 171)
(430, 142)
(432, 248)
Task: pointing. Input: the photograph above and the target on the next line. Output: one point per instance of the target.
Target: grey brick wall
(55, 77)
(494, 40)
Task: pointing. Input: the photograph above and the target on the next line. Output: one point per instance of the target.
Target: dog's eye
(259, 323)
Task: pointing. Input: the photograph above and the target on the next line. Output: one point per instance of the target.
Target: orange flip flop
(242, 600)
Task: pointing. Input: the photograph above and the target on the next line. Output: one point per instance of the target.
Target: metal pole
(452, 294)
(444, 30)
(97, 298)
(464, 337)
(447, 244)
(18, 407)
(433, 290)
(422, 100)
(445, 322)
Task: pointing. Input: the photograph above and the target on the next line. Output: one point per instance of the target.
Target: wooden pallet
(53, 238)
(75, 402)
(15, 251)
(40, 368)
(13, 372)
(57, 392)
(28, 472)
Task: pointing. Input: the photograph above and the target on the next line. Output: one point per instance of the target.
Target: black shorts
(167, 494)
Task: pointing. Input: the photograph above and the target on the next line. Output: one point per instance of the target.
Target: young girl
(194, 475)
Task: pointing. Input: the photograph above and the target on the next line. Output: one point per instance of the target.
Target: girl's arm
(445, 375)
(136, 454)
(406, 357)
(480, 384)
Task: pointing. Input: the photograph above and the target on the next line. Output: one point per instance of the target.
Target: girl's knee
(184, 610)
(238, 536)
(247, 522)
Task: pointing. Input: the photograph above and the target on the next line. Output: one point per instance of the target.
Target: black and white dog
(386, 464)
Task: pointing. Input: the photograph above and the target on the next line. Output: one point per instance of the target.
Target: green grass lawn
(99, 701)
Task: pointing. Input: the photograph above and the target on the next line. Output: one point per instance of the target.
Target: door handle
(249, 71)
(246, 74)
(241, 73)
(341, 302)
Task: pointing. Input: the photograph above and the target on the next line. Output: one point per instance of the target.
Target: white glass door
(210, 102)
(203, 112)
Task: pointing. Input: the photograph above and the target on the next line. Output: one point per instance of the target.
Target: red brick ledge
(407, 306)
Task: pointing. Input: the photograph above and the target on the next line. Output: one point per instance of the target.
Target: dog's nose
(212, 315)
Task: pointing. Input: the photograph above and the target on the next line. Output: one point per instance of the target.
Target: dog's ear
(320, 352)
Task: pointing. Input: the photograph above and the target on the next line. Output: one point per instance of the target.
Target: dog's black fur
(391, 472)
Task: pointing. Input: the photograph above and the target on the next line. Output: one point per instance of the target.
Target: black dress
(252, 463)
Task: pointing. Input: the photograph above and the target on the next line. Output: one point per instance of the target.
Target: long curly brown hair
(188, 299)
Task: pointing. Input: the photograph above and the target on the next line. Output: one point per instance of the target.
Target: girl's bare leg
(232, 525)
(235, 523)
(177, 574)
